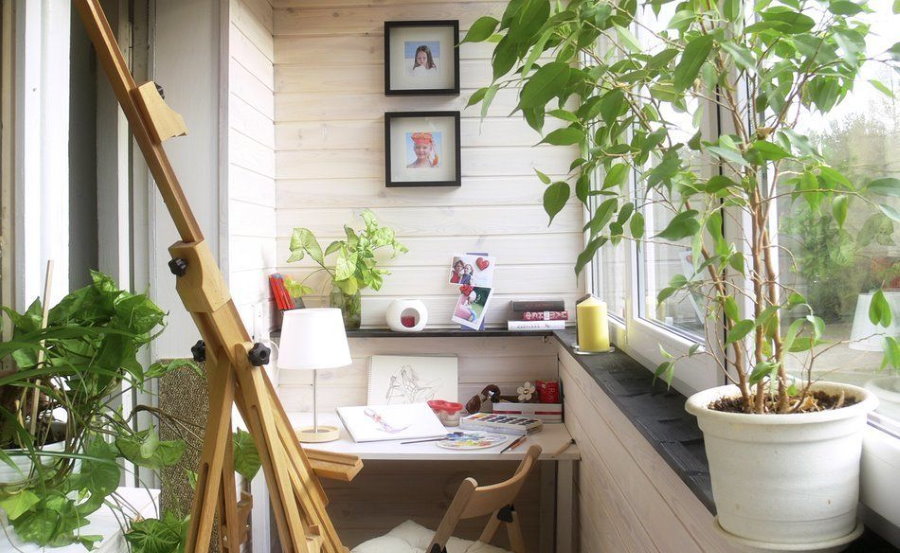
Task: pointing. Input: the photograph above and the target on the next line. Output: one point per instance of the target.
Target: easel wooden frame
(234, 376)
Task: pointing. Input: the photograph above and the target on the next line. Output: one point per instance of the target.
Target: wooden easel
(234, 365)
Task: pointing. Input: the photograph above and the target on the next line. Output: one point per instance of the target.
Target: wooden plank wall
(506, 362)
(251, 158)
(629, 499)
(329, 163)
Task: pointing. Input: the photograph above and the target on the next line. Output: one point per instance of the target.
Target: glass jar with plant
(635, 108)
(355, 264)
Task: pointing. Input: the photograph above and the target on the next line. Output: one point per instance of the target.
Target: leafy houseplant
(76, 366)
(354, 266)
(762, 65)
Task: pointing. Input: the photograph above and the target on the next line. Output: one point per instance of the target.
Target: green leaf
(303, 241)
(19, 503)
(768, 150)
(145, 449)
(881, 87)
(739, 331)
(844, 7)
(886, 186)
(637, 225)
(763, 370)
(555, 197)
(681, 226)
(544, 178)
(890, 211)
(839, 207)
(564, 137)
(246, 457)
(730, 307)
(741, 55)
(628, 39)
(891, 353)
(480, 30)
(546, 83)
(153, 535)
(666, 371)
(588, 253)
(602, 215)
(880, 310)
(616, 175)
(693, 57)
(504, 57)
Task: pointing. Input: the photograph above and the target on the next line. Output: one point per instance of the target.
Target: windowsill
(659, 415)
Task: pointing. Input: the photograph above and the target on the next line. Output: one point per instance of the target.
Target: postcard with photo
(475, 270)
(471, 306)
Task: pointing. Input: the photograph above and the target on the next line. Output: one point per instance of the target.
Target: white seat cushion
(410, 537)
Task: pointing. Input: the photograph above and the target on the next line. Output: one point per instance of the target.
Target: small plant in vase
(634, 109)
(355, 264)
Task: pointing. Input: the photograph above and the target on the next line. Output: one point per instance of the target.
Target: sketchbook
(374, 423)
(399, 379)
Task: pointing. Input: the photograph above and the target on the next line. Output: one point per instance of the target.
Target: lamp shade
(313, 339)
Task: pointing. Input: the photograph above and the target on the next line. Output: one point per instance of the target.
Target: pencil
(426, 440)
(515, 443)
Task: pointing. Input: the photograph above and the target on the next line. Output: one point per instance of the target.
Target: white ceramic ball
(398, 308)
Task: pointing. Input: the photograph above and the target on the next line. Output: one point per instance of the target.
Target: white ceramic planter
(786, 482)
(400, 308)
(9, 475)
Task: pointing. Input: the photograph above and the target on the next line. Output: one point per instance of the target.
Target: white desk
(102, 523)
(557, 470)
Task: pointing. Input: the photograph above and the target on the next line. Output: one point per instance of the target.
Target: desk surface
(552, 438)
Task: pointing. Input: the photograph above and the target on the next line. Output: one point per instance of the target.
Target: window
(837, 269)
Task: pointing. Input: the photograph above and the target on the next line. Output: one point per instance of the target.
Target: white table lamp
(313, 339)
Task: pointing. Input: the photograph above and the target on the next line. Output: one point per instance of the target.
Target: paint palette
(472, 440)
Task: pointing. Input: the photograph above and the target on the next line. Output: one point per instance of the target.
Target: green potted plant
(632, 111)
(62, 435)
(355, 264)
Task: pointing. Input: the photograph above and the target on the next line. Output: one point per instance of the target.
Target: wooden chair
(471, 501)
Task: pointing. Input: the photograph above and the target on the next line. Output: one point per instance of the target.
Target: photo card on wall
(477, 270)
(422, 148)
(421, 57)
(471, 306)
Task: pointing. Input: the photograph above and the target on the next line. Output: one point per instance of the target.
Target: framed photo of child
(422, 148)
(421, 57)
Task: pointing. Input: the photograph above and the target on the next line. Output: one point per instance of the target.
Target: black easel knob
(259, 355)
(178, 266)
(161, 90)
(198, 350)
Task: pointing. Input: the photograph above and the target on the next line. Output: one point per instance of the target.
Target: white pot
(786, 482)
(9, 475)
(406, 307)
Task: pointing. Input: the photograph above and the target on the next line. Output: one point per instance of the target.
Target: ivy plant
(355, 265)
(763, 65)
(71, 374)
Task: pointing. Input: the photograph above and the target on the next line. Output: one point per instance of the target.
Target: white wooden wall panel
(251, 158)
(329, 164)
(505, 362)
(629, 498)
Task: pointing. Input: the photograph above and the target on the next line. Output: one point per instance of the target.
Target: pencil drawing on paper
(400, 379)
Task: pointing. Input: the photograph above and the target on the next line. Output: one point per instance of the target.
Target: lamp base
(311, 435)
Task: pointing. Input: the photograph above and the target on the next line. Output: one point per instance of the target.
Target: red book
(545, 315)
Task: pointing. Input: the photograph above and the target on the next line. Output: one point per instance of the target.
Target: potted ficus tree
(355, 265)
(784, 448)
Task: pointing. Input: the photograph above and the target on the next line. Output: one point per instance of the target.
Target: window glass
(611, 276)
(659, 262)
(837, 269)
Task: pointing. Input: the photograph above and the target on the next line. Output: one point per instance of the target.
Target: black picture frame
(399, 81)
(399, 128)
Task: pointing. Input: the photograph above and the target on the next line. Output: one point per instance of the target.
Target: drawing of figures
(405, 387)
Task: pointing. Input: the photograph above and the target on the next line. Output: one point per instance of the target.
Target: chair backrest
(472, 500)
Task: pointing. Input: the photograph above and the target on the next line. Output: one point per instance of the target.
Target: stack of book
(538, 315)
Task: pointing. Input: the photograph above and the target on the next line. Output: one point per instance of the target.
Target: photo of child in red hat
(422, 150)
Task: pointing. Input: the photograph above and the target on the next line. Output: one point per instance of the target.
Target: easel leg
(220, 379)
(230, 523)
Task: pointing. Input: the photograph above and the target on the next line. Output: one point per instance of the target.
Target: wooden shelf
(445, 333)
